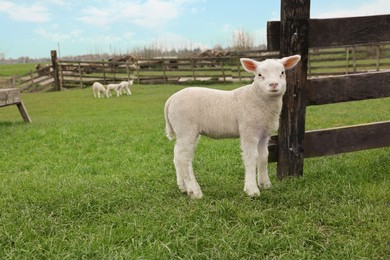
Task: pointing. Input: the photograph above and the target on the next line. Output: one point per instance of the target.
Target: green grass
(94, 179)
(7, 70)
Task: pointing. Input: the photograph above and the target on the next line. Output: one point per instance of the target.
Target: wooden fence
(295, 33)
(35, 80)
(333, 60)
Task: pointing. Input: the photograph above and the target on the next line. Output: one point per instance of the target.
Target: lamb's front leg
(250, 157)
(262, 174)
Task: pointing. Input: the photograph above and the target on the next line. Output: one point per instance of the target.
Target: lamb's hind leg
(262, 167)
(183, 154)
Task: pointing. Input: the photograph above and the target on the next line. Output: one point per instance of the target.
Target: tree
(242, 40)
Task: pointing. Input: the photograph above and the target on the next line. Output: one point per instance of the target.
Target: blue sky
(33, 28)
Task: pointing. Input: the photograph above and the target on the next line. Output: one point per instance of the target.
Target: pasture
(94, 178)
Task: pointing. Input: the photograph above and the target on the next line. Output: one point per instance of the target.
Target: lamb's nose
(273, 85)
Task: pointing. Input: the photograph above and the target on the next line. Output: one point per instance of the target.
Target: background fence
(78, 74)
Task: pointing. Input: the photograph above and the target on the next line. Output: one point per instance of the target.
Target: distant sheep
(125, 86)
(98, 89)
(116, 87)
(250, 112)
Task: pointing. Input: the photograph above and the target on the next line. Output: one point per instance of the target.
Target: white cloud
(171, 40)
(227, 28)
(52, 34)
(152, 14)
(98, 17)
(28, 13)
(377, 7)
(56, 2)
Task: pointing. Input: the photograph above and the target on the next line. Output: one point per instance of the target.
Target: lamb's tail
(168, 127)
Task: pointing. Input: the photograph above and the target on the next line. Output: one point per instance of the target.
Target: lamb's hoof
(252, 191)
(266, 185)
(182, 188)
(195, 194)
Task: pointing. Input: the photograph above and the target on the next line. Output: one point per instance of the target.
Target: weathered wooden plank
(9, 96)
(334, 141)
(295, 16)
(348, 88)
(347, 139)
(338, 31)
(23, 112)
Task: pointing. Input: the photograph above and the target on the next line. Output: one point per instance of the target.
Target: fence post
(294, 39)
(54, 64)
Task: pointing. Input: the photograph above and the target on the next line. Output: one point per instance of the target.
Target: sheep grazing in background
(250, 112)
(99, 89)
(125, 86)
(116, 87)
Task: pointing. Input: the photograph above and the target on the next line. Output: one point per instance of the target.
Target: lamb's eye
(282, 72)
(259, 75)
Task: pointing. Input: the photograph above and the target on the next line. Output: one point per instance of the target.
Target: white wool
(125, 86)
(116, 87)
(250, 112)
(98, 89)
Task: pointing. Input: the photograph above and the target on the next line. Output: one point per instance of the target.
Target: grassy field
(94, 179)
(8, 70)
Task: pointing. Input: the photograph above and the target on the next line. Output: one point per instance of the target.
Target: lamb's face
(270, 77)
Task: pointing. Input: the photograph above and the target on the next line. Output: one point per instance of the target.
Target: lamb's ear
(290, 62)
(249, 64)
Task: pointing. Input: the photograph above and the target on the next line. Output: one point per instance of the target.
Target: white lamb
(250, 112)
(125, 86)
(98, 89)
(116, 87)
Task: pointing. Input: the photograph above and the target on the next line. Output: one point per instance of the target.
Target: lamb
(98, 89)
(250, 112)
(116, 87)
(125, 86)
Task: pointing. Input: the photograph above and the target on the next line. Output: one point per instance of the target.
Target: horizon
(114, 26)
